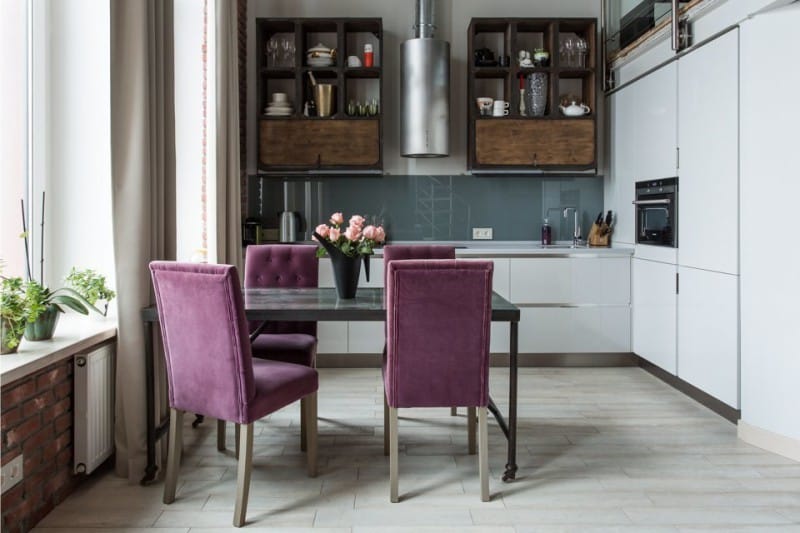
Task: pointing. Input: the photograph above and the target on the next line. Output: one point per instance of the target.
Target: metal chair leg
(173, 454)
(393, 466)
(483, 453)
(244, 468)
(471, 430)
(385, 425)
(221, 435)
(310, 409)
(303, 423)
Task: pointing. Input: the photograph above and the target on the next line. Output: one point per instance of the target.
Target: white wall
(453, 18)
(77, 171)
(770, 284)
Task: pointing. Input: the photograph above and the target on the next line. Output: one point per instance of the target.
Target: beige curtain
(143, 189)
(229, 198)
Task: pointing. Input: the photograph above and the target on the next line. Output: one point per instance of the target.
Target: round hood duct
(425, 89)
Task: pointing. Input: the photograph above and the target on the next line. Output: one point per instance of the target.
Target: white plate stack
(279, 106)
(320, 56)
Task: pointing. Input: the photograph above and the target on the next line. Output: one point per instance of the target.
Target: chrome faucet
(576, 232)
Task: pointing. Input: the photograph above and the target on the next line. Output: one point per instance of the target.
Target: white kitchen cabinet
(572, 304)
(708, 137)
(708, 333)
(331, 337)
(623, 150)
(656, 127)
(654, 305)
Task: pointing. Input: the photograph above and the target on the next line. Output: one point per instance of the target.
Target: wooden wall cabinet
(523, 142)
(343, 141)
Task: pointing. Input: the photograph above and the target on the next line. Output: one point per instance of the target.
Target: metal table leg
(511, 465)
(149, 370)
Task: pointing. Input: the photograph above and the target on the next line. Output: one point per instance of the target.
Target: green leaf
(71, 302)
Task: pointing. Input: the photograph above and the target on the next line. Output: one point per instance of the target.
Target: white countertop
(521, 249)
(74, 334)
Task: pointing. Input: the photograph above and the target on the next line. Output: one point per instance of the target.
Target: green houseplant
(13, 314)
(92, 288)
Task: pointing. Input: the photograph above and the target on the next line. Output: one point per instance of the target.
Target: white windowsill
(74, 334)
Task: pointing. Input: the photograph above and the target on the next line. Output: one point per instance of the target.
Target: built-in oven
(657, 212)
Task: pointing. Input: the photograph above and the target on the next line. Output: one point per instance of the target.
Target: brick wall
(36, 421)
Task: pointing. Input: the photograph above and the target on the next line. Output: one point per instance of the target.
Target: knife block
(599, 235)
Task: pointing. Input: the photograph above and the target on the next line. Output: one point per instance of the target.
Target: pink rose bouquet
(357, 239)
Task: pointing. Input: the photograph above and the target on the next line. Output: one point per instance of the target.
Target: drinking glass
(272, 51)
(288, 52)
(569, 51)
(581, 48)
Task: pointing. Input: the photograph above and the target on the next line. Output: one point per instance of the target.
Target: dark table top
(324, 305)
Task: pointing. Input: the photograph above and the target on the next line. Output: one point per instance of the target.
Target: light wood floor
(610, 449)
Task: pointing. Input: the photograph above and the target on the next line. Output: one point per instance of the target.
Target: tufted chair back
(282, 266)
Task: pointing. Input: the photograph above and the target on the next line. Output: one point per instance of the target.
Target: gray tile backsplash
(434, 208)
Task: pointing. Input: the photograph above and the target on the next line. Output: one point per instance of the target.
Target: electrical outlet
(11, 473)
(482, 233)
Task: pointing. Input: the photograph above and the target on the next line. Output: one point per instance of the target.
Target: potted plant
(92, 288)
(347, 248)
(13, 315)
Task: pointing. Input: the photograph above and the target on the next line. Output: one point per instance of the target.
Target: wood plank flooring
(600, 450)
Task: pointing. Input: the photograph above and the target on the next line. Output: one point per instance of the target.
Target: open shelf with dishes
(319, 81)
(543, 73)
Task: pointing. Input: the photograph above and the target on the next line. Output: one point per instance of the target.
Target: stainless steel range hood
(425, 89)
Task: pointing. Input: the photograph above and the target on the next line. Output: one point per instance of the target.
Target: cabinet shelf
(555, 142)
(297, 143)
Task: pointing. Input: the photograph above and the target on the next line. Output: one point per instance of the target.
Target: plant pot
(346, 269)
(44, 326)
(9, 341)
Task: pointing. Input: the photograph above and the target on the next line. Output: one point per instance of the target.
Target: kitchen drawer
(576, 280)
(589, 329)
(311, 144)
(535, 143)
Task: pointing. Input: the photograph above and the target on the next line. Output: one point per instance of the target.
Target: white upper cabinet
(708, 138)
(655, 153)
(623, 143)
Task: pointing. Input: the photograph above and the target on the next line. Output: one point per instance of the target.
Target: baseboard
(721, 408)
(769, 441)
(369, 360)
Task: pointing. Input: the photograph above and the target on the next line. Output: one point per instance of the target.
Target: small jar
(368, 55)
(547, 233)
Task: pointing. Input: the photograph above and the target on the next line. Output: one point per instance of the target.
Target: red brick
(21, 432)
(13, 497)
(19, 513)
(18, 391)
(58, 408)
(63, 390)
(10, 418)
(32, 461)
(64, 457)
(57, 482)
(63, 422)
(37, 404)
(64, 440)
(52, 376)
(36, 442)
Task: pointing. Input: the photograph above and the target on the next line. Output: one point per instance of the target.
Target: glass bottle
(547, 233)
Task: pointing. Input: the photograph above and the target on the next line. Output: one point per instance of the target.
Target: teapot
(575, 109)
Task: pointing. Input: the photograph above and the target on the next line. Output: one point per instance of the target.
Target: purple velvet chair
(210, 369)
(283, 266)
(438, 317)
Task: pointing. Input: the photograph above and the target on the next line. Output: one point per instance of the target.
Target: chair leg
(310, 409)
(244, 468)
(221, 435)
(237, 438)
(483, 453)
(393, 466)
(385, 426)
(303, 423)
(453, 411)
(471, 430)
(173, 454)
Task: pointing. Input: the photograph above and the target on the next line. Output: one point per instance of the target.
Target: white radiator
(93, 427)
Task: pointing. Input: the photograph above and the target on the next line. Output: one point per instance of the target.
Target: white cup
(499, 108)
(280, 98)
(353, 61)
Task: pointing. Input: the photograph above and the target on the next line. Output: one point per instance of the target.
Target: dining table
(317, 305)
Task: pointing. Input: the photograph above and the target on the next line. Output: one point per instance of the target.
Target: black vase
(346, 269)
